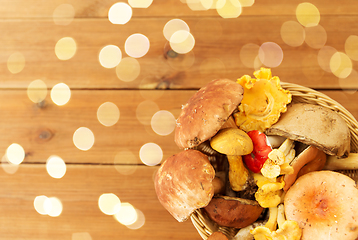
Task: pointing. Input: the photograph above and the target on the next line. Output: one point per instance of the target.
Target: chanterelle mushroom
(183, 183)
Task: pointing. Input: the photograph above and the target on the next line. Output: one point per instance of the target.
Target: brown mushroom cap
(233, 212)
(314, 125)
(183, 183)
(217, 236)
(206, 111)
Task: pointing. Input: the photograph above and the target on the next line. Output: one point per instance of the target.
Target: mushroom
(233, 212)
(324, 204)
(348, 163)
(184, 183)
(217, 236)
(206, 111)
(314, 125)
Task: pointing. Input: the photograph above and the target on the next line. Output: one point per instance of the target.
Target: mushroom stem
(334, 163)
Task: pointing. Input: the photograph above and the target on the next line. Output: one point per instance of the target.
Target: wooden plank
(49, 130)
(79, 191)
(216, 53)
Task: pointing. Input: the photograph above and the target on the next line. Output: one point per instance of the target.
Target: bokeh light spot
(56, 167)
(229, 8)
(127, 214)
(7, 166)
(341, 65)
(16, 62)
(120, 13)
(63, 14)
(151, 154)
(60, 94)
(53, 206)
(292, 33)
(65, 48)
(39, 203)
(139, 222)
(108, 114)
(247, 3)
(316, 37)
(182, 41)
(351, 47)
(324, 57)
(37, 91)
(137, 45)
(109, 203)
(270, 54)
(163, 122)
(128, 69)
(308, 14)
(248, 54)
(126, 162)
(145, 110)
(15, 153)
(173, 26)
(83, 138)
(140, 3)
(110, 56)
(81, 236)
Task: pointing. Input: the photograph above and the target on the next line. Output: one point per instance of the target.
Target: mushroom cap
(217, 236)
(183, 183)
(325, 205)
(206, 111)
(233, 212)
(314, 125)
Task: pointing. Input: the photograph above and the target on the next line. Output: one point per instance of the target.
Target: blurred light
(53, 206)
(81, 236)
(128, 69)
(83, 138)
(110, 56)
(65, 48)
(324, 57)
(145, 110)
(127, 214)
(341, 65)
(350, 83)
(7, 166)
(15, 153)
(270, 54)
(56, 167)
(140, 3)
(37, 91)
(150, 154)
(247, 3)
(63, 14)
(60, 94)
(16, 62)
(173, 26)
(108, 114)
(248, 54)
(199, 5)
(182, 42)
(292, 33)
(229, 8)
(308, 14)
(126, 162)
(39, 204)
(316, 37)
(351, 47)
(163, 123)
(109, 203)
(137, 45)
(120, 13)
(139, 222)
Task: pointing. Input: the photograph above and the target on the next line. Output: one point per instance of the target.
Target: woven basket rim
(205, 226)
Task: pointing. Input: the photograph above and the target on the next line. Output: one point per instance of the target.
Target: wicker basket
(206, 227)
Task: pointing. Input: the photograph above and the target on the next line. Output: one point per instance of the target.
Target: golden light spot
(324, 57)
(128, 69)
(351, 47)
(137, 45)
(108, 114)
(173, 26)
(37, 91)
(65, 48)
(56, 167)
(140, 3)
(81, 236)
(63, 14)
(145, 110)
(16, 62)
(200, 5)
(182, 42)
(127, 214)
(39, 203)
(151, 154)
(83, 138)
(341, 65)
(109, 203)
(125, 162)
(53, 206)
(248, 54)
(60, 94)
(292, 33)
(247, 3)
(15, 153)
(163, 123)
(139, 222)
(311, 68)
(316, 37)
(229, 8)
(110, 56)
(7, 166)
(270, 54)
(350, 83)
(120, 13)
(308, 14)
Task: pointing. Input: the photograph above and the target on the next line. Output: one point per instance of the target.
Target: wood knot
(44, 135)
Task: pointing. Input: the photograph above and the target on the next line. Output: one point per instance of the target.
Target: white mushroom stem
(334, 163)
(280, 215)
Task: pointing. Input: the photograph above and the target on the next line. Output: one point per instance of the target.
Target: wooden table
(165, 82)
